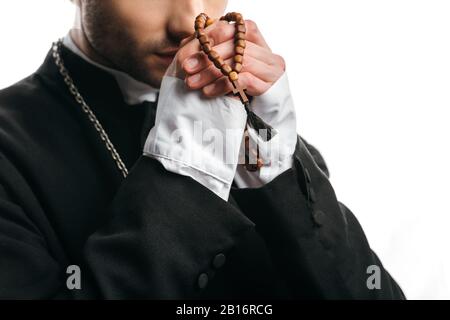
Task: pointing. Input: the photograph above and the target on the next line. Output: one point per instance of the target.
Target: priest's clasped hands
(192, 136)
(261, 67)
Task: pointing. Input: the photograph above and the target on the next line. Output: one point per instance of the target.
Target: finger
(261, 70)
(199, 61)
(257, 68)
(203, 78)
(223, 86)
(186, 40)
(217, 33)
(254, 34)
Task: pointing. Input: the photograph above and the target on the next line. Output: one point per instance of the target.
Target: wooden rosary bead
(207, 48)
(241, 28)
(219, 63)
(226, 70)
(240, 43)
(239, 50)
(209, 22)
(200, 19)
(238, 67)
(200, 33)
(235, 15)
(199, 24)
(213, 55)
(238, 58)
(233, 76)
(203, 40)
(240, 36)
(228, 16)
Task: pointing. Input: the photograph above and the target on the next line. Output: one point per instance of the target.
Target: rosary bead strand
(202, 22)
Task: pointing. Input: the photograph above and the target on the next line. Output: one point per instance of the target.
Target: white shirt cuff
(197, 137)
(275, 107)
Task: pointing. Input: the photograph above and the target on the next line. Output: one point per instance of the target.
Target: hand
(261, 68)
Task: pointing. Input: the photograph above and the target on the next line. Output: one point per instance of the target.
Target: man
(99, 198)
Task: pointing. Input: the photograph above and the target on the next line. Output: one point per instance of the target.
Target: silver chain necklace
(56, 49)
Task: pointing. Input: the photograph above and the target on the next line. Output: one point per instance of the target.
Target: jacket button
(219, 260)
(202, 281)
(319, 217)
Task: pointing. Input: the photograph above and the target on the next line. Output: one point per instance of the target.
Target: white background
(371, 82)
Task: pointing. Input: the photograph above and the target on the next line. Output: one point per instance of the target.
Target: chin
(150, 73)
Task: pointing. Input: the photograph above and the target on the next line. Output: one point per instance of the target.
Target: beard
(114, 44)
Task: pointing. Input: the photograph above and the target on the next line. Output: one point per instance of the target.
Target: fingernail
(195, 78)
(192, 63)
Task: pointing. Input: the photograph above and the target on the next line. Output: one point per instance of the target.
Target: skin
(148, 34)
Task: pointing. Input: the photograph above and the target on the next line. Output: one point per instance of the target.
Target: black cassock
(156, 234)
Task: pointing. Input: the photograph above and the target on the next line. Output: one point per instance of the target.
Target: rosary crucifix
(265, 131)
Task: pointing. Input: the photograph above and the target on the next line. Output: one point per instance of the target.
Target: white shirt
(202, 138)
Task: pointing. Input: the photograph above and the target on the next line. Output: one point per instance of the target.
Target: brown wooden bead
(240, 43)
(203, 40)
(219, 62)
(241, 28)
(200, 33)
(207, 48)
(238, 67)
(239, 50)
(213, 55)
(240, 22)
(199, 24)
(240, 36)
(233, 76)
(238, 58)
(209, 22)
(226, 69)
(200, 19)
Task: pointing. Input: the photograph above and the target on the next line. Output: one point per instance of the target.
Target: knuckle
(280, 61)
(251, 26)
(246, 79)
(247, 63)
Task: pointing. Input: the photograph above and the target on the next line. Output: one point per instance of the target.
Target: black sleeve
(315, 241)
(30, 263)
(160, 241)
(165, 231)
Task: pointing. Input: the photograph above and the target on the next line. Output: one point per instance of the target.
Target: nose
(182, 17)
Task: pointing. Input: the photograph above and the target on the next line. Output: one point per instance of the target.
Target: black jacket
(156, 234)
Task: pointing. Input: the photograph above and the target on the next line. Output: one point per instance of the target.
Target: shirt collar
(133, 91)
